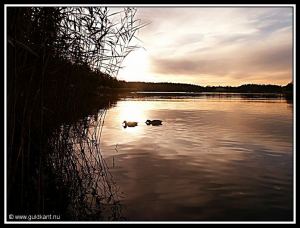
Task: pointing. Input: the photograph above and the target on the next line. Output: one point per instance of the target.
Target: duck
(129, 124)
(154, 122)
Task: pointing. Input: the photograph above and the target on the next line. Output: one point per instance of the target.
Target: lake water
(225, 158)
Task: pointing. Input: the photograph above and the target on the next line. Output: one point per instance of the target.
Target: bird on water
(129, 124)
(154, 122)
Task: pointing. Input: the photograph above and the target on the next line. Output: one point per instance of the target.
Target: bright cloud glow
(213, 46)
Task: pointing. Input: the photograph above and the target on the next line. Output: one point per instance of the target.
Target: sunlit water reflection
(212, 159)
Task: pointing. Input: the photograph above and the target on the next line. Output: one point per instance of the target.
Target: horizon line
(206, 85)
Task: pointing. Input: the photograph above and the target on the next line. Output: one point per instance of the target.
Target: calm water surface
(227, 159)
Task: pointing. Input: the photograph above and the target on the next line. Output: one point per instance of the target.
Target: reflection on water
(85, 184)
(227, 159)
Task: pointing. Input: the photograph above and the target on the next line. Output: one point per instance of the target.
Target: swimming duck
(129, 124)
(154, 122)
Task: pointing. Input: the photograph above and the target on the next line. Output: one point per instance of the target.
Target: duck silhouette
(154, 122)
(129, 124)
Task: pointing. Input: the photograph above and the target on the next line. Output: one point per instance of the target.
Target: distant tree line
(183, 87)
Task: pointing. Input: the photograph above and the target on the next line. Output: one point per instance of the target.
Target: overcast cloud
(213, 46)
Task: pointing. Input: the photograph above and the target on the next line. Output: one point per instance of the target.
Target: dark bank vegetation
(57, 58)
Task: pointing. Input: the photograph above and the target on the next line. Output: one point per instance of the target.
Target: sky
(227, 46)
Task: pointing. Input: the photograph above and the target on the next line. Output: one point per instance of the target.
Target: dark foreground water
(213, 159)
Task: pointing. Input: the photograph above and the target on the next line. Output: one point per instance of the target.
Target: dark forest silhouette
(184, 87)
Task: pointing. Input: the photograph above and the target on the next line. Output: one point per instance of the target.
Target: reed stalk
(55, 57)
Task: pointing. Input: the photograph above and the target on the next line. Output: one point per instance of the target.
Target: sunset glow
(213, 46)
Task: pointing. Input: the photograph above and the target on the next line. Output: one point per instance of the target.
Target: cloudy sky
(213, 46)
